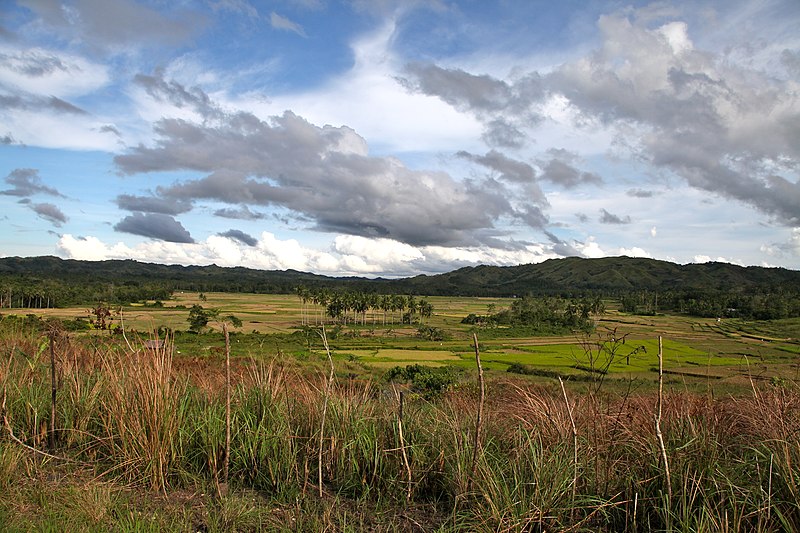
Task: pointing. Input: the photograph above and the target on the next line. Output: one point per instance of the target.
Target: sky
(389, 138)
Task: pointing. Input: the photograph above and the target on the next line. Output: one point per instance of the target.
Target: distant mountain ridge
(609, 275)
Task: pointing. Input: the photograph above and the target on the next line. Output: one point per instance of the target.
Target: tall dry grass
(143, 421)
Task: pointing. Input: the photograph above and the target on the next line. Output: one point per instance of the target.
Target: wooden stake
(226, 464)
(574, 442)
(658, 420)
(479, 418)
(328, 386)
(403, 447)
(53, 390)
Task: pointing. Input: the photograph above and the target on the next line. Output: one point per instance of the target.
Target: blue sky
(392, 138)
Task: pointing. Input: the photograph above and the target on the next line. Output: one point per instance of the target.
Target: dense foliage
(759, 305)
(644, 286)
(544, 315)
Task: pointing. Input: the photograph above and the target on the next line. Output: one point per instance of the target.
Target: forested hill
(609, 275)
(54, 281)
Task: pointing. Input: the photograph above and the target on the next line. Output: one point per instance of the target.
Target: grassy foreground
(140, 445)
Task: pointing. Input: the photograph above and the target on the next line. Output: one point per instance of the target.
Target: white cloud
(369, 99)
(349, 255)
(590, 248)
(50, 72)
(67, 131)
(635, 252)
(282, 23)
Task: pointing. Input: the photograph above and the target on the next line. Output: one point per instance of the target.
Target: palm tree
(425, 309)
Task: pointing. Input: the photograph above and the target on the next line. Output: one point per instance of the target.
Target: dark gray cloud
(504, 108)
(640, 193)
(563, 173)
(240, 236)
(240, 213)
(176, 94)
(561, 247)
(49, 212)
(609, 218)
(153, 204)
(519, 182)
(321, 173)
(26, 182)
(508, 168)
(458, 88)
(154, 226)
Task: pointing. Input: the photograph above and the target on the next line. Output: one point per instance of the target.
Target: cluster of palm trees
(320, 304)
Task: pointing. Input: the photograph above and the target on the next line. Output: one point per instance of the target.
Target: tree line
(33, 293)
(550, 315)
(320, 304)
(766, 305)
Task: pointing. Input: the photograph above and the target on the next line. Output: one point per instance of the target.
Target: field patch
(394, 356)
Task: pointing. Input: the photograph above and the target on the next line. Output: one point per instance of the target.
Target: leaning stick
(574, 442)
(226, 464)
(658, 419)
(328, 386)
(479, 418)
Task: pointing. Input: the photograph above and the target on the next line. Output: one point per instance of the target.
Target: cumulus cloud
(240, 236)
(563, 173)
(722, 127)
(154, 226)
(324, 174)
(49, 212)
(349, 255)
(788, 248)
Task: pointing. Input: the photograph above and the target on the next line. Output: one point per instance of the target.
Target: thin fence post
(226, 464)
(328, 387)
(51, 436)
(403, 447)
(479, 417)
(659, 435)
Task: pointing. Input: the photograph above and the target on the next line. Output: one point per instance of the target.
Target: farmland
(695, 349)
(140, 428)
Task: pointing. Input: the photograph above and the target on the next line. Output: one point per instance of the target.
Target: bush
(428, 381)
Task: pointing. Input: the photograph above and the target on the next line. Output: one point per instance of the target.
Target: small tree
(199, 317)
